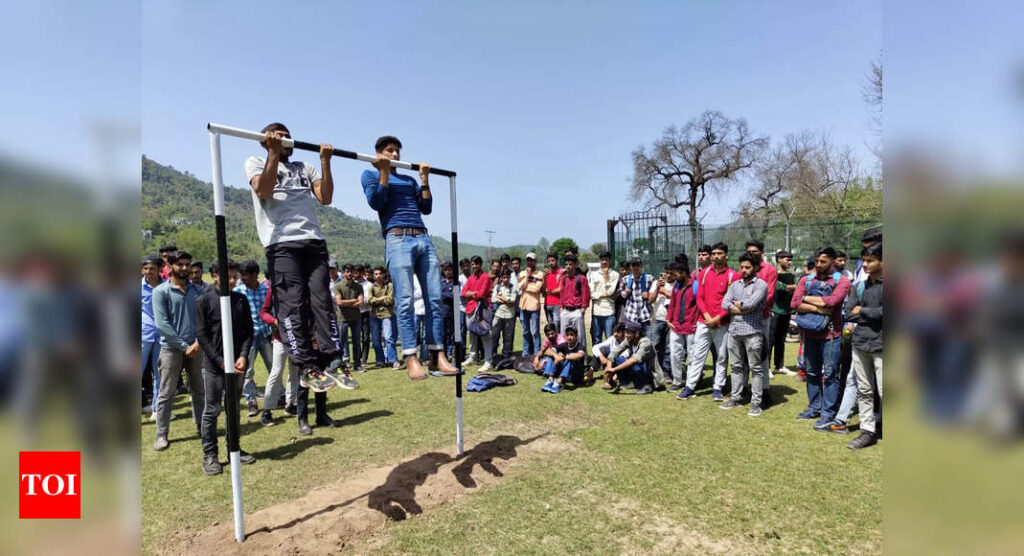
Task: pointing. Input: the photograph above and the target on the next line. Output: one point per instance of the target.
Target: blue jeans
(151, 355)
(848, 401)
(531, 332)
(410, 257)
(553, 315)
(659, 339)
(822, 357)
(570, 371)
(638, 374)
(383, 339)
(602, 328)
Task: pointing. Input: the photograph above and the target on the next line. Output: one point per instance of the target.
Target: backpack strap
(860, 291)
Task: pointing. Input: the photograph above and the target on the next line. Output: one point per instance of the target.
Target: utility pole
(490, 236)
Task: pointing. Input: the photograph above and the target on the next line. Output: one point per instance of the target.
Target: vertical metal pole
(459, 348)
(787, 233)
(230, 382)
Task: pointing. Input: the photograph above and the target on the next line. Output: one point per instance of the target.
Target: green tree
(598, 248)
(561, 245)
(200, 244)
(543, 246)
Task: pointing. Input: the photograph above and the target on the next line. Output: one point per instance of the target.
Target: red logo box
(49, 485)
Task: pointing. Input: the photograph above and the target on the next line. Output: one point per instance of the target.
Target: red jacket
(770, 275)
(551, 281)
(480, 285)
(835, 301)
(711, 290)
(267, 314)
(575, 292)
(682, 297)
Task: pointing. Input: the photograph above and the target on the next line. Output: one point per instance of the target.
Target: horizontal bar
(313, 147)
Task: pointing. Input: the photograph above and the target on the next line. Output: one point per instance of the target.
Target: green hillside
(177, 208)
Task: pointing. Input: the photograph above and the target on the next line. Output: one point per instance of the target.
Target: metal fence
(656, 238)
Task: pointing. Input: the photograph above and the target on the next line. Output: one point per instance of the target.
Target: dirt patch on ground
(332, 517)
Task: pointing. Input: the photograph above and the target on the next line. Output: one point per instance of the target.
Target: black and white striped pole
(216, 130)
(230, 383)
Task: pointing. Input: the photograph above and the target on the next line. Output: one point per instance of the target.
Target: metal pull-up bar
(312, 147)
(231, 394)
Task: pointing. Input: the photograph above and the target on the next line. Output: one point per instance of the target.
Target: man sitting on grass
(602, 350)
(567, 362)
(633, 360)
(549, 348)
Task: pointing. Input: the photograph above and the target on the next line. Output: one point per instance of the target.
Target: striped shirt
(256, 298)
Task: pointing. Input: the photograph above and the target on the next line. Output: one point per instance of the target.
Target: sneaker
(211, 466)
(716, 395)
(396, 365)
(729, 404)
(304, 428)
(838, 427)
(253, 408)
(485, 367)
(160, 444)
(863, 440)
(360, 369)
(675, 387)
(315, 380)
(246, 458)
(291, 410)
(686, 394)
(823, 426)
(784, 371)
(547, 386)
(808, 414)
(266, 420)
(556, 387)
(755, 411)
(646, 389)
(327, 422)
(345, 380)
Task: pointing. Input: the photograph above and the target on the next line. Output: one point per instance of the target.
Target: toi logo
(49, 485)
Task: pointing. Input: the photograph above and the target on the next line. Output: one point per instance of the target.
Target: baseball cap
(531, 255)
(333, 264)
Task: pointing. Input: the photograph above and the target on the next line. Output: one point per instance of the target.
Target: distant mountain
(177, 208)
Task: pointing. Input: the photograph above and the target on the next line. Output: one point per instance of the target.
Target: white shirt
(659, 307)
(417, 297)
(289, 213)
(367, 292)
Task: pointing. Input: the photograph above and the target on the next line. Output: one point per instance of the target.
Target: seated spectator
(601, 351)
(633, 360)
(549, 347)
(567, 363)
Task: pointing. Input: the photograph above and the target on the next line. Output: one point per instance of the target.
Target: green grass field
(621, 473)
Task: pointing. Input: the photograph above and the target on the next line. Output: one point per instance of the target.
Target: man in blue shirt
(151, 266)
(399, 200)
(256, 292)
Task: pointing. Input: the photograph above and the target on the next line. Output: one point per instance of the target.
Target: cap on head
(332, 264)
(531, 255)
(633, 326)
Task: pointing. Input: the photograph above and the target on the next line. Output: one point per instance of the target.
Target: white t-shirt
(367, 292)
(659, 307)
(417, 297)
(604, 347)
(289, 214)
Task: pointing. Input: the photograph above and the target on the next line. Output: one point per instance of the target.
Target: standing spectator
(765, 271)
(150, 335)
(364, 311)
(273, 393)
(530, 282)
(682, 320)
(635, 290)
(420, 310)
(174, 312)
(165, 269)
(620, 302)
(660, 294)
(840, 265)
(478, 290)
(348, 296)
(822, 293)
(574, 292)
(448, 306)
(464, 273)
(603, 292)
(215, 372)
(703, 261)
(553, 298)
(712, 323)
(778, 325)
(745, 301)
(195, 274)
(332, 271)
(282, 196)
(864, 307)
(504, 316)
(516, 265)
(382, 316)
(256, 292)
(870, 237)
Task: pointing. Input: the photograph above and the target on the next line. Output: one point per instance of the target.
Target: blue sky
(537, 106)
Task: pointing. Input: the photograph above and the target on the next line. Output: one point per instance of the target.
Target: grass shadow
(292, 449)
(340, 404)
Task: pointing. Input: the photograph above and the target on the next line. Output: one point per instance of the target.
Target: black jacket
(208, 331)
(867, 336)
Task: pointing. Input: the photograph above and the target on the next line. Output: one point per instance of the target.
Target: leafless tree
(872, 95)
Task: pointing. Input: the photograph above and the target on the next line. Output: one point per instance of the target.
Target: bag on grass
(482, 319)
(486, 381)
(505, 363)
(524, 364)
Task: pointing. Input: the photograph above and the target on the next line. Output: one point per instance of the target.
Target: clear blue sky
(537, 106)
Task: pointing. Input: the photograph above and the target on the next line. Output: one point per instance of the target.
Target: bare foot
(443, 365)
(413, 369)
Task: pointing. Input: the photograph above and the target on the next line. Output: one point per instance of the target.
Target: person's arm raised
(323, 188)
(264, 183)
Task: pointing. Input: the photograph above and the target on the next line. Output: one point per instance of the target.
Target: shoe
(328, 422)
(547, 386)
(211, 466)
(280, 404)
(396, 365)
(729, 404)
(435, 372)
(485, 367)
(160, 444)
(246, 458)
(675, 388)
(556, 387)
(315, 380)
(345, 380)
(266, 420)
(360, 369)
(716, 395)
(380, 365)
(260, 393)
(646, 389)
(291, 410)
(784, 371)
(686, 394)
(755, 411)
(469, 362)
(863, 440)
(253, 408)
(808, 414)
(823, 426)
(838, 427)
(304, 428)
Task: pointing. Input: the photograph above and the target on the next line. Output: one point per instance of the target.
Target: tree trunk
(694, 240)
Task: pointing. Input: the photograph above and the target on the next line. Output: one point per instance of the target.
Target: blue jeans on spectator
(151, 356)
(848, 402)
(659, 339)
(822, 357)
(531, 332)
(383, 339)
(602, 328)
(638, 374)
(553, 313)
(412, 257)
(570, 371)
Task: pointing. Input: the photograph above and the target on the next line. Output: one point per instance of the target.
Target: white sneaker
(784, 371)
(485, 367)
